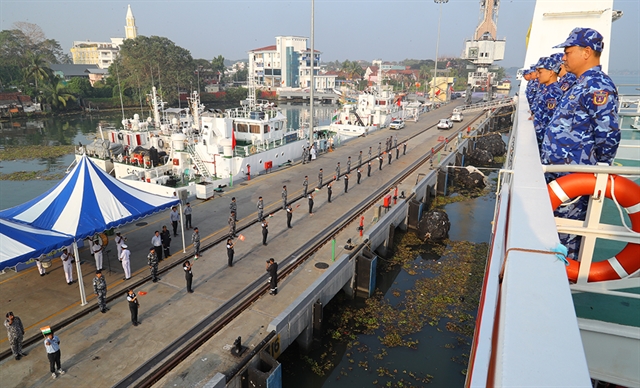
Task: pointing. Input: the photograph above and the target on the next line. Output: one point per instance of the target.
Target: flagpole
(83, 295)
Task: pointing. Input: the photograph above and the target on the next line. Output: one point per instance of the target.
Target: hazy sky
(344, 29)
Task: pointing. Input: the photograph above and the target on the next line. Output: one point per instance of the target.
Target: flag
(241, 237)
(334, 117)
(233, 139)
(438, 92)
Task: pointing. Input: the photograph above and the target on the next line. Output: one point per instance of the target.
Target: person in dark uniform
(165, 238)
(284, 197)
(368, 168)
(359, 174)
(152, 262)
(349, 165)
(100, 289)
(389, 156)
(230, 252)
(310, 199)
(232, 224)
(404, 148)
(397, 152)
(370, 150)
(329, 191)
(320, 179)
(380, 160)
(188, 275)
(260, 206)
(15, 334)
(132, 298)
(379, 149)
(272, 268)
(289, 215)
(233, 208)
(360, 159)
(188, 211)
(195, 240)
(305, 184)
(265, 232)
(338, 171)
(346, 183)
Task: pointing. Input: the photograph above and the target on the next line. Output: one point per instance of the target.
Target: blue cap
(584, 37)
(557, 57)
(549, 64)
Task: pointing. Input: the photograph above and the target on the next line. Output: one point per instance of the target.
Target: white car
(456, 117)
(445, 124)
(396, 124)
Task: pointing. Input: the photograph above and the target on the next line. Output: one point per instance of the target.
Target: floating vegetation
(35, 152)
(31, 175)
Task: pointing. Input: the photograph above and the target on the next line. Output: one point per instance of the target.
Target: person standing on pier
(349, 165)
(15, 333)
(67, 264)
(125, 259)
(233, 208)
(195, 239)
(232, 225)
(272, 268)
(260, 206)
(359, 174)
(41, 269)
(265, 231)
(395, 141)
(52, 346)
(310, 199)
(329, 191)
(370, 153)
(100, 289)
(152, 262)
(320, 179)
(289, 215)
(404, 148)
(360, 159)
(156, 241)
(337, 172)
(188, 275)
(119, 241)
(380, 161)
(346, 183)
(379, 148)
(313, 152)
(304, 155)
(284, 197)
(230, 252)
(132, 298)
(96, 249)
(165, 237)
(175, 218)
(188, 210)
(368, 169)
(305, 184)
(389, 156)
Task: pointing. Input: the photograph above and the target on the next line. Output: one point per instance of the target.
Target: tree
(54, 93)
(218, 67)
(36, 68)
(153, 61)
(79, 87)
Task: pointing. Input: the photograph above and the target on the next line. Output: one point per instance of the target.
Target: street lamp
(435, 69)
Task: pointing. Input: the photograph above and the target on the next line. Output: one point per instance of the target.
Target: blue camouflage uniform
(531, 90)
(546, 100)
(584, 128)
(567, 80)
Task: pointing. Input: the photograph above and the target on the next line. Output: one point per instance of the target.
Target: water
(72, 129)
(440, 356)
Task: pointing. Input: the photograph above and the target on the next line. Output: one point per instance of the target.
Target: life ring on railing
(160, 143)
(120, 136)
(252, 150)
(627, 194)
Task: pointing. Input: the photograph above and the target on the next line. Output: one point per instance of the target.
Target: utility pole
(435, 69)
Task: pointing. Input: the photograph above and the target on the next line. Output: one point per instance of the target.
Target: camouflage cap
(584, 37)
(549, 64)
(557, 56)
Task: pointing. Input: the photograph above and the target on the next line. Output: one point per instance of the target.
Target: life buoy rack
(627, 194)
(160, 143)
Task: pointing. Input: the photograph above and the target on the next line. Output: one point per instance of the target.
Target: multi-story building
(287, 64)
(103, 54)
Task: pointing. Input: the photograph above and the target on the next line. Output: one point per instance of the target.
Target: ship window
(267, 128)
(254, 128)
(241, 127)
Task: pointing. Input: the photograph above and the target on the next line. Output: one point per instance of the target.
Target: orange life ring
(627, 194)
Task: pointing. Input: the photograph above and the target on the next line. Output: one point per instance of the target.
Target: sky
(391, 30)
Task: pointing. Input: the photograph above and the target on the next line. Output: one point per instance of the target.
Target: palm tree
(54, 94)
(37, 68)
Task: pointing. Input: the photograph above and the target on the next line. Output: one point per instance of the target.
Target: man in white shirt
(119, 241)
(124, 259)
(96, 248)
(156, 241)
(67, 265)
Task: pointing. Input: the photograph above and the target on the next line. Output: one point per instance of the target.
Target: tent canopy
(87, 201)
(21, 243)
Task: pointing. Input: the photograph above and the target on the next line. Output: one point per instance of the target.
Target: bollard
(248, 172)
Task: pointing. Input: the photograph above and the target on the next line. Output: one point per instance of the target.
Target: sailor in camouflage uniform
(100, 289)
(15, 333)
(584, 128)
(152, 262)
(565, 79)
(547, 99)
(531, 76)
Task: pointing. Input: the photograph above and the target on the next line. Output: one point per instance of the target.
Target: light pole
(435, 69)
(311, 78)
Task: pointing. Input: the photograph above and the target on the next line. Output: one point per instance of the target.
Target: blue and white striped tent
(20, 243)
(87, 201)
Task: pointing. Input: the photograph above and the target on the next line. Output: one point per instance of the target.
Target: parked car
(445, 124)
(396, 124)
(456, 117)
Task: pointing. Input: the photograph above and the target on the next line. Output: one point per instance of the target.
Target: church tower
(130, 30)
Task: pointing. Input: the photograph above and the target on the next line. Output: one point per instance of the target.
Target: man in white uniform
(41, 269)
(124, 259)
(119, 242)
(96, 248)
(67, 264)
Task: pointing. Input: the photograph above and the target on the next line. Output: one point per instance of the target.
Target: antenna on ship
(251, 93)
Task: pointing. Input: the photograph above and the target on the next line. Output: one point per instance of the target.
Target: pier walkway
(101, 349)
